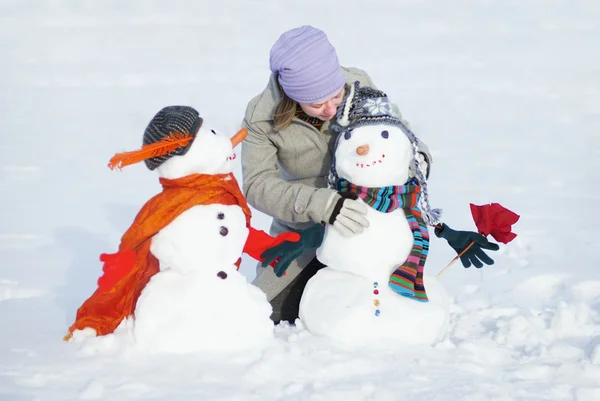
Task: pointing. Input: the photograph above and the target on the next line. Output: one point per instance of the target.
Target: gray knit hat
(171, 119)
(368, 106)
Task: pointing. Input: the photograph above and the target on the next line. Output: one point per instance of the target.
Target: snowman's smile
(233, 157)
(372, 163)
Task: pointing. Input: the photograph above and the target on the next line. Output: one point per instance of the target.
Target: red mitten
(116, 266)
(259, 241)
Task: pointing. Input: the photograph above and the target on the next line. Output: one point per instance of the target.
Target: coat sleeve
(423, 148)
(270, 194)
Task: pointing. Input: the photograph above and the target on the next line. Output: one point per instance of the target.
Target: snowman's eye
(347, 135)
(385, 134)
(213, 131)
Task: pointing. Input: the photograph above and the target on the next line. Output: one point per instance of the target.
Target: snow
(209, 153)
(199, 301)
(178, 245)
(183, 312)
(387, 159)
(505, 93)
(340, 306)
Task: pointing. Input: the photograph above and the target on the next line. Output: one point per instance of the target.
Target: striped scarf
(407, 279)
(314, 121)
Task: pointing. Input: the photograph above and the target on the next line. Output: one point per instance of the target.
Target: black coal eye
(213, 131)
(347, 135)
(385, 134)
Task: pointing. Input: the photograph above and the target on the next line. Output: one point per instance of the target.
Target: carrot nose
(238, 137)
(362, 150)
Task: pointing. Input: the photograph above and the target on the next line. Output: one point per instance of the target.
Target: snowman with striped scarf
(374, 290)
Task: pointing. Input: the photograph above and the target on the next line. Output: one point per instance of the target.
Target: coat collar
(268, 101)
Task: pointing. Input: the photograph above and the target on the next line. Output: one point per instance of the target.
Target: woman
(288, 153)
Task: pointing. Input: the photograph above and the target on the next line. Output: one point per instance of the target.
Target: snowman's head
(374, 156)
(210, 153)
(374, 147)
(178, 143)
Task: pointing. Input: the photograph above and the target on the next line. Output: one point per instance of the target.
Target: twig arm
(454, 260)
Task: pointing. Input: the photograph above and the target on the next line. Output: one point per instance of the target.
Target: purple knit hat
(308, 67)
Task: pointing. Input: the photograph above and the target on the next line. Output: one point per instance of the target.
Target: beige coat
(285, 172)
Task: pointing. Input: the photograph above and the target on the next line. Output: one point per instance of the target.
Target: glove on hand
(347, 214)
(459, 240)
(287, 251)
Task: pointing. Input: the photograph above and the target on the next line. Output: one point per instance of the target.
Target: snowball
(187, 312)
(340, 306)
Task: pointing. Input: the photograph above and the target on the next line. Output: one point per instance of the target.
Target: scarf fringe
(432, 217)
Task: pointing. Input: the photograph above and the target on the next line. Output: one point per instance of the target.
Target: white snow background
(505, 93)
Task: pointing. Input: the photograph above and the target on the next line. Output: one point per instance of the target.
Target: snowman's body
(198, 300)
(389, 239)
(350, 300)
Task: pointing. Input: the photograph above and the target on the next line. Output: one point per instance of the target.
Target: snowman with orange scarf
(174, 283)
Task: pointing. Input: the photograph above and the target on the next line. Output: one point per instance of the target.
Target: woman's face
(326, 109)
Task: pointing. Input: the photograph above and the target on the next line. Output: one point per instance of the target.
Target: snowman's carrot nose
(362, 150)
(238, 137)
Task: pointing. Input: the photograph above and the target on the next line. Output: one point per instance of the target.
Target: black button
(221, 216)
(223, 231)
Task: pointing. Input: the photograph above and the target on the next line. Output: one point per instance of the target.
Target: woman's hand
(347, 214)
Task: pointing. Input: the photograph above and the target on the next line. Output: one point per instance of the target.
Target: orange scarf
(113, 302)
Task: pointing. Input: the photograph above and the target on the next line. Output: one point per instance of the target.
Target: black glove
(459, 240)
(287, 251)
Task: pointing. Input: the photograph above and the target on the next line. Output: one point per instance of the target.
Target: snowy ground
(505, 93)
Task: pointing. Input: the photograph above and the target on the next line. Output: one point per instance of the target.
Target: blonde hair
(284, 112)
